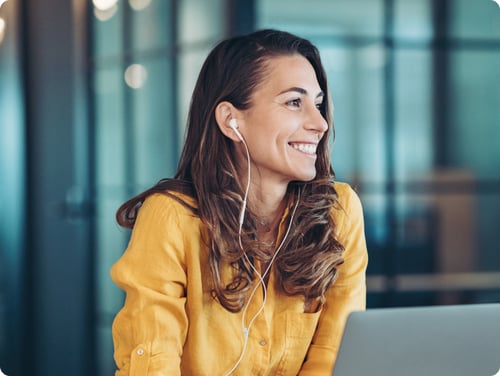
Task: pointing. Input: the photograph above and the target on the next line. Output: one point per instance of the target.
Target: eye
(319, 105)
(294, 102)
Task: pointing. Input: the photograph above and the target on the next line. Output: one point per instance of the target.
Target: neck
(267, 205)
(266, 199)
(268, 210)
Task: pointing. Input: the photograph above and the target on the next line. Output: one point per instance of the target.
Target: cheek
(273, 130)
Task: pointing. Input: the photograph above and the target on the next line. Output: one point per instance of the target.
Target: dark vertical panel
(390, 162)
(12, 193)
(128, 106)
(440, 81)
(84, 177)
(241, 17)
(174, 37)
(58, 247)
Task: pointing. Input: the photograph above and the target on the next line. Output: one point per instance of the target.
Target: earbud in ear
(234, 125)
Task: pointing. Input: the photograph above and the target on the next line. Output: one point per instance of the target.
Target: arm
(348, 293)
(150, 329)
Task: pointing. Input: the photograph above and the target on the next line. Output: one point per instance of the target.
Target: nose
(315, 121)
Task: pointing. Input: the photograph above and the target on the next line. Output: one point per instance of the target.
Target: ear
(224, 112)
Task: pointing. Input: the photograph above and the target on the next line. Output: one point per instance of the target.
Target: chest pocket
(299, 331)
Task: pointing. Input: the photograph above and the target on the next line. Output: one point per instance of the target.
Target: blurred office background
(93, 101)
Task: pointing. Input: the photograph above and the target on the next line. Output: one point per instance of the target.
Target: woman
(249, 260)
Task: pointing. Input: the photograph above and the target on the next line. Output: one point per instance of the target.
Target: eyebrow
(301, 91)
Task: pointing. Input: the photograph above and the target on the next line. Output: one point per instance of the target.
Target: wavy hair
(307, 263)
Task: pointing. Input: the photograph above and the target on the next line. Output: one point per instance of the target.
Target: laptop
(453, 340)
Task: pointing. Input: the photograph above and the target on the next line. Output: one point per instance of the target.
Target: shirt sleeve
(150, 330)
(348, 293)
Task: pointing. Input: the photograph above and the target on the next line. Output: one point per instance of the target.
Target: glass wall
(416, 91)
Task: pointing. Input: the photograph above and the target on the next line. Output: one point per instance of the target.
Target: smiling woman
(283, 125)
(252, 252)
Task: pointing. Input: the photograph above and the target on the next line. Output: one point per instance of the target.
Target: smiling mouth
(309, 149)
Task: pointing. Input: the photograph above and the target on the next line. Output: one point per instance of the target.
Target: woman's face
(284, 125)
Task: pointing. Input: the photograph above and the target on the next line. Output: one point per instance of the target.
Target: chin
(306, 176)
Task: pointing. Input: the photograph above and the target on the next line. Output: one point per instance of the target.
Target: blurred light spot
(139, 4)
(104, 9)
(2, 29)
(2, 2)
(135, 76)
(497, 2)
(104, 15)
(104, 4)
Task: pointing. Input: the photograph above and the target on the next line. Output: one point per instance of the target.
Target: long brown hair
(306, 264)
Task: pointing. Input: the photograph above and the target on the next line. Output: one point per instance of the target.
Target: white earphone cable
(246, 328)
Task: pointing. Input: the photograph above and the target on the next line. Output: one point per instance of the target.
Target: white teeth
(305, 148)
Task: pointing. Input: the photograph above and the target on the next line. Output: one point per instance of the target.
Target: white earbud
(234, 125)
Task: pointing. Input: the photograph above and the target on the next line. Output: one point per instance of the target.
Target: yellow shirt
(171, 325)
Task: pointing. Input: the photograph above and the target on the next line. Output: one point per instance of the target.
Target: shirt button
(140, 351)
(262, 342)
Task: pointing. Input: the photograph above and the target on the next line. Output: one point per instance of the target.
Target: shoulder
(163, 223)
(347, 197)
(167, 206)
(348, 207)
(170, 200)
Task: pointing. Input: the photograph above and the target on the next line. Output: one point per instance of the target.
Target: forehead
(283, 72)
